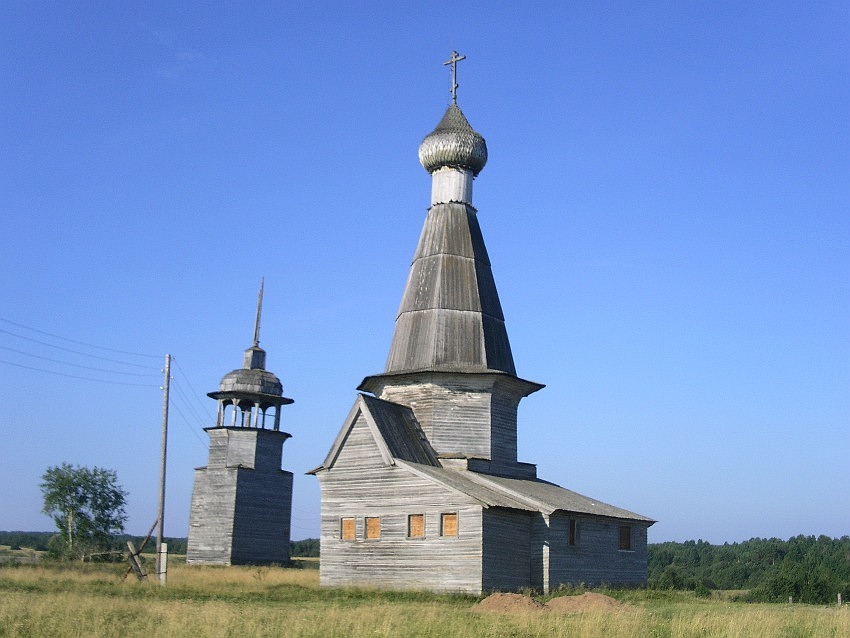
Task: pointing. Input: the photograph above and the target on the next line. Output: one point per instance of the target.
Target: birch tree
(87, 506)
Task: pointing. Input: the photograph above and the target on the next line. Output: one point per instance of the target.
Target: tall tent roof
(450, 317)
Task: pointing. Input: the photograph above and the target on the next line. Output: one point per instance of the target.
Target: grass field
(94, 600)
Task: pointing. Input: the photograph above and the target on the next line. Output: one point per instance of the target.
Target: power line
(77, 365)
(74, 376)
(84, 354)
(82, 343)
(202, 418)
(199, 419)
(195, 393)
(187, 424)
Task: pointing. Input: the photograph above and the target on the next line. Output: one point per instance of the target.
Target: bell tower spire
(255, 356)
(259, 313)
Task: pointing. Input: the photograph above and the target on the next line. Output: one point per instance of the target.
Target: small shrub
(702, 591)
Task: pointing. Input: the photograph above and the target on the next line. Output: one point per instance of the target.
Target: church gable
(378, 432)
(356, 446)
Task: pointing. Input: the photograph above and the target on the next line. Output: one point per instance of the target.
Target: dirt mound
(508, 603)
(586, 602)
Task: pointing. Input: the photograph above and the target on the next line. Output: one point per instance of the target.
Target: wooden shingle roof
(450, 317)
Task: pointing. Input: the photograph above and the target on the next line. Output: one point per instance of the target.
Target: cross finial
(453, 61)
(259, 312)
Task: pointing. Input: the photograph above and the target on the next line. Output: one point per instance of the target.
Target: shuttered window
(625, 537)
(373, 527)
(448, 524)
(346, 529)
(416, 526)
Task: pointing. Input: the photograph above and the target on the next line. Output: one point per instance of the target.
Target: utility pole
(160, 559)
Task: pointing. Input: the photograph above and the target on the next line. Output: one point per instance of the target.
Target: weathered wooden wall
(242, 500)
(507, 550)
(211, 516)
(595, 558)
(468, 414)
(360, 485)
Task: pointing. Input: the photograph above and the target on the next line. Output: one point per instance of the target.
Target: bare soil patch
(585, 602)
(508, 604)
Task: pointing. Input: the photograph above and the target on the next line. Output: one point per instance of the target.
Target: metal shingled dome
(453, 143)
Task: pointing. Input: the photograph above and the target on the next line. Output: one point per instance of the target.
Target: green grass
(94, 600)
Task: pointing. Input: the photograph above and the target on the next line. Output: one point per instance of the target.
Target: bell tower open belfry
(242, 499)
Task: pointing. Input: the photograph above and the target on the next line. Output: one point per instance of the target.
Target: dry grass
(244, 601)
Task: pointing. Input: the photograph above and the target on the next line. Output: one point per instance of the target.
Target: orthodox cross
(453, 61)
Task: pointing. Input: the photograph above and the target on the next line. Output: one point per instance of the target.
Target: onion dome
(454, 144)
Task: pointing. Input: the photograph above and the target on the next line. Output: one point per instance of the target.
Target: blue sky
(666, 206)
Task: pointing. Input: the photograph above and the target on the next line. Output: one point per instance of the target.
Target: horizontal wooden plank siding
(360, 485)
(503, 410)
(359, 451)
(396, 560)
(261, 525)
(507, 549)
(242, 501)
(211, 516)
(595, 558)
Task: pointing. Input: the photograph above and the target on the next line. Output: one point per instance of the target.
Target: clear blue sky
(666, 206)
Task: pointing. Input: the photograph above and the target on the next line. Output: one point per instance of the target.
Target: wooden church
(242, 499)
(422, 488)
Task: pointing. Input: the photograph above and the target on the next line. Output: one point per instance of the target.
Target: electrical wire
(74, 376)
(195, 393)
(187, 424)
(77, 365)
(202, 416)
(82, 343)
(84, 354)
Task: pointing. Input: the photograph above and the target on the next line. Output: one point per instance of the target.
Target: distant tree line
(27, 540)
(308, 548)
(807, 568)
(41, 541)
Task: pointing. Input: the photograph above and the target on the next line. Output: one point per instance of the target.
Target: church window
(573, 530)
(373, 527)
(625, 537)
(346, 529)
(448, 524)
(416, 526)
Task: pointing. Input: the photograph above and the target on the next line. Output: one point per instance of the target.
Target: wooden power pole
(160, 559)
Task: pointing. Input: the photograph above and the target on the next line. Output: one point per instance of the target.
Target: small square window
(416, 526)
(373, 527)
(346, 529)
(573, 529)
(448, 524)
(625, 537)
